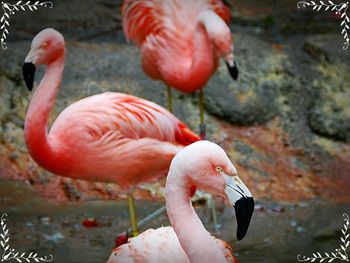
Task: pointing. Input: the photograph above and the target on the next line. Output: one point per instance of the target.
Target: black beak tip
(233, 70)
(28, 75)
(244, 209)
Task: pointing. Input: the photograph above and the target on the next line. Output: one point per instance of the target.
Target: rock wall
(285, 123)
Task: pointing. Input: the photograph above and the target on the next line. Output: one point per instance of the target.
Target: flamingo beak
(241, 199)
(233, 69)
(231, 65)
(28, 74)
(29, 68)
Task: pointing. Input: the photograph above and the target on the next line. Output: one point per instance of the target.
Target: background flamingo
(181, 42)
(110, 137)
(205, 165)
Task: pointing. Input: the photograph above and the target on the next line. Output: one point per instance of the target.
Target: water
(274, 236)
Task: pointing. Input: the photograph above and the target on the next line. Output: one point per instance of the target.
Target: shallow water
(274, 236)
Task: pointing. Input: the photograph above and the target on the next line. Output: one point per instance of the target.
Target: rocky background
(285, 123)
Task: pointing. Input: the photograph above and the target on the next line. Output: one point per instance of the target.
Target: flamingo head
(220, 35)
(231, 65)
(206, 165)
(223, 43)
(46, 47)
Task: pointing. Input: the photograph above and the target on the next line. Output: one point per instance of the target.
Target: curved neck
(218, 32)
(195, 240)
(41, 148)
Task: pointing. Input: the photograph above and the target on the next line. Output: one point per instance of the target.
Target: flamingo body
(160, 245)
(181, 41)
(115, 137)
(110, 137)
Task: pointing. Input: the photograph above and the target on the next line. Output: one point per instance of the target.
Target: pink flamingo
(205, 165)
(110, 137)
(181, 42)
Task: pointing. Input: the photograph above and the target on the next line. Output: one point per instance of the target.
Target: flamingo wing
(221, 10)
(115, 137)
(117, 116)
(152, 246)
(226, 250)
(159, 245)
(164, 30)
(143, 18)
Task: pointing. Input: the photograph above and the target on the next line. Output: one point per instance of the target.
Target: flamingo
(109, 137)
(181, 42)
(205, 165)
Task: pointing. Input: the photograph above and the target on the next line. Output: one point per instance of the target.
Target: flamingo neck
(195, 240)
(218, 32)
(41, 147)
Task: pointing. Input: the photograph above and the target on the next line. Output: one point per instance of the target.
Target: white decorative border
(10, 253)
(340, 253)
(340, 9)
(10, 9)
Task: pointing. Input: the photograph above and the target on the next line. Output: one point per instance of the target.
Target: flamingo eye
(44, 45)
(218, 169)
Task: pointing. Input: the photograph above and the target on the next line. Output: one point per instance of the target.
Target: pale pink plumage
(160, 245)
(110, 137)
(180, 40)
(187, 241)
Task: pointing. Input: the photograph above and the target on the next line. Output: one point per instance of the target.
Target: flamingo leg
(203, 135)
(132, 211)
(202, 127)
(170, 99)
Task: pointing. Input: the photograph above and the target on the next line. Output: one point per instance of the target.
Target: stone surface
(285, 122)
(330, 113)
(75, 19)
(253, 99)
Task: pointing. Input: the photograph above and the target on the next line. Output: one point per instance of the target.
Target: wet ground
(278, 233)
